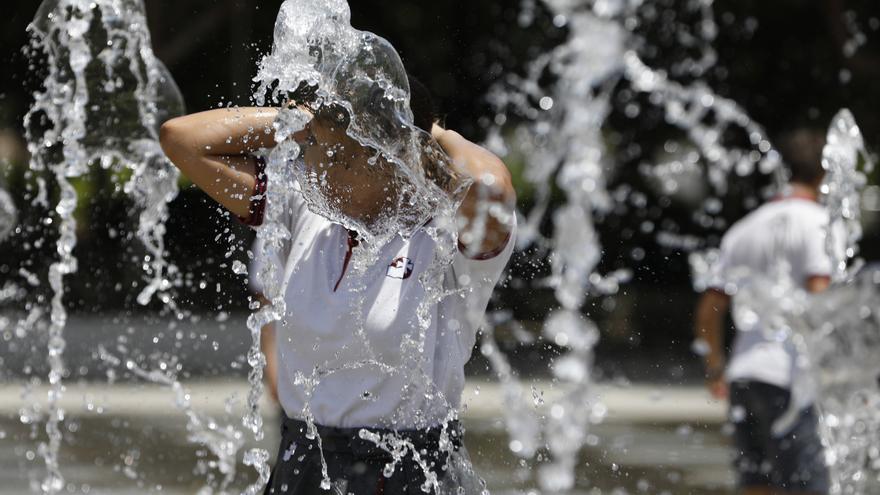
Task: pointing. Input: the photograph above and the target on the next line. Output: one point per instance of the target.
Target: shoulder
(808, 214)
(736, 230)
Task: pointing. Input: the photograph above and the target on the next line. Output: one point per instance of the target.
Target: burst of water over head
(357, 80)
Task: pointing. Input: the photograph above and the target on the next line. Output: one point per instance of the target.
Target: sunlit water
(105, 94)
(101, 103)
(8, 215)
(563, 143)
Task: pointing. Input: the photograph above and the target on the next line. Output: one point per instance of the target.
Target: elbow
(168, 135)
(171, 139)
(507, 190)
(497, 179)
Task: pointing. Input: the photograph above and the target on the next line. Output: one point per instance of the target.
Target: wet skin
(357, 181)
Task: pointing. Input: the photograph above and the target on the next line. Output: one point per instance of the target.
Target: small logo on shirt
(401, 268)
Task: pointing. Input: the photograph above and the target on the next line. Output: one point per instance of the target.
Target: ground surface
(132, 439)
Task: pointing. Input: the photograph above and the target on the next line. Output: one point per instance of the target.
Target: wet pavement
(138, 444)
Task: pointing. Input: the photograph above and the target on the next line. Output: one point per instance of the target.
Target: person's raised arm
(214, 150)
(708, 328)
(492, 187)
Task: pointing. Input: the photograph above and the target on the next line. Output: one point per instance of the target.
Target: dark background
(782, 61)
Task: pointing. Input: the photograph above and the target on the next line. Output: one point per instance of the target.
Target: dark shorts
(358, 466)
(793, 462)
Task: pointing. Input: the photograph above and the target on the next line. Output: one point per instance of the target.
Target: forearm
(491, 197)
(476, 162)
(711, 335)
(709, 329)
(226, 131)
(213, 149)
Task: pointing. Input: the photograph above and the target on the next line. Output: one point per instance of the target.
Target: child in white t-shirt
(344, 379)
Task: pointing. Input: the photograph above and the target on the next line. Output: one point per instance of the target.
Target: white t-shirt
(319, 332)
(783, 238)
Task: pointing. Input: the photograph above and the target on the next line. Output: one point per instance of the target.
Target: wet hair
(421, 104)
(801, 151)
(304, 94)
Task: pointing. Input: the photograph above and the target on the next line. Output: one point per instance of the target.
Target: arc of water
(847, 163)
(223, 442)
(64, 106)
(59, 141)
(563, 139)
(270, 238)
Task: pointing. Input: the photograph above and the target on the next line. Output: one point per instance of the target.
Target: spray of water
(224, 442)
(561, 138)
(8, 215)
(839, 347)
(847, 163)
(358, 79)
(101, 72)
(842, 351)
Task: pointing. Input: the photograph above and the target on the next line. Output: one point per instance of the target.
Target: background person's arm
(818, 283)
(709, 328)
(214, 150)
(492, 184)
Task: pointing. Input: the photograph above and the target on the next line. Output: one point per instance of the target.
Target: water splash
(100, 60)
(836, 349)
(847, 163)
(8, 215)
(101, 73)
(562, 140)
(842, 347)
(356, 80)
(270, 238)
(69, 117)
(224, 442)
(842, 188)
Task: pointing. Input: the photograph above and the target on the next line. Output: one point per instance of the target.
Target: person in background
(789, 230)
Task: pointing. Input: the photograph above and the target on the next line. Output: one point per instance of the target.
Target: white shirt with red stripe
(789, 232)
(318, 338)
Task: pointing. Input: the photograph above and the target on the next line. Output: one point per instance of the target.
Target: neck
(804, 191)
